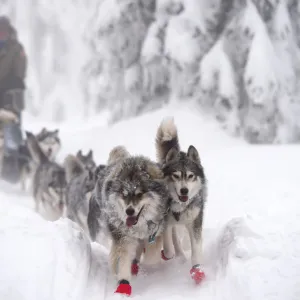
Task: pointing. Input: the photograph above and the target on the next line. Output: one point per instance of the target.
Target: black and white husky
(186, 182)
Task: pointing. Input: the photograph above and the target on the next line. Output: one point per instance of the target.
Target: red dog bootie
(123, 288)
(197, 274)
(164, 257)
(135, 267)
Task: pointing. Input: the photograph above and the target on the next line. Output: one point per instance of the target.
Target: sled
(12, 158)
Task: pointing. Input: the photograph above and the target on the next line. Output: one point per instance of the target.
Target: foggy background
(237, 59)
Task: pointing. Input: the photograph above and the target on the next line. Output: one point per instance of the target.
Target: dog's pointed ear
(56, 131)
(28, 134)
(90, 154)
(79, 153)
(172, 154)
(193, 154)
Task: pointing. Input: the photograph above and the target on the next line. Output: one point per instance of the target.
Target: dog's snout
(129, 211)
(184, 191)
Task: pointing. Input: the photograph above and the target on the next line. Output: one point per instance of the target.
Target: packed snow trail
(251, 224)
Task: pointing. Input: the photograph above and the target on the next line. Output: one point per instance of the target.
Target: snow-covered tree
(238, 59)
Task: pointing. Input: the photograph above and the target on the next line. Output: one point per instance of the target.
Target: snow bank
(39, 259)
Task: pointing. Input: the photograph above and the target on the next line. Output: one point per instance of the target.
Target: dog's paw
(197, 274)
(123, 288)
(134, 268)
(164, 257)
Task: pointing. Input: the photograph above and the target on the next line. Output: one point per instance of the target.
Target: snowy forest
(239, 60)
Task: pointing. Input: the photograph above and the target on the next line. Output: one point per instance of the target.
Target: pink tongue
(183, 198)
(130, 221)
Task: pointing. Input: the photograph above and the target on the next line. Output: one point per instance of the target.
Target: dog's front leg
(23, 179)
(195, 233)
(136, 260)
(168, 247)
(177, 244)
(122, 253)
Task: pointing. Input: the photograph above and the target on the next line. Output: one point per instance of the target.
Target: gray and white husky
(130, 202)
(49, 181)
(187, 185)
(81, 177)
(49, 143)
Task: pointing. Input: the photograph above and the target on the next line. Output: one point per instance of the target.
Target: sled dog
(81, 179)
(49, 181)
(130, 203)
(187, 186)
(49, 143)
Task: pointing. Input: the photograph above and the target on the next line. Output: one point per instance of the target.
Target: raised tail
(73, 167)
(166, 139)
(116, 154)
(34, 148)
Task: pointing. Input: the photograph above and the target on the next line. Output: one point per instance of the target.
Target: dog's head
(49, 142)
(184, 173)
(92, 177)
(137, 191)
(87, 160)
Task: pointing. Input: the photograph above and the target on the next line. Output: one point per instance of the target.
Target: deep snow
(251, 225)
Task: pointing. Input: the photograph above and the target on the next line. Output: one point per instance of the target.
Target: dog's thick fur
(129, 183)
(50, 144)
(81, 182)
(187, 185)
(49, 181)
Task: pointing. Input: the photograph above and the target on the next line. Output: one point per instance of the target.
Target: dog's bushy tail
(166, 139)
(73, 167)
(116, 154)
(34, 148)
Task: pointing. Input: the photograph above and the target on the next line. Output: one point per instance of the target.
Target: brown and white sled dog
(186, 182)
(130, 201)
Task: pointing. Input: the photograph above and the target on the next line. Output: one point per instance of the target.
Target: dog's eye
(139, 195)
(191, 176)
(175, 176)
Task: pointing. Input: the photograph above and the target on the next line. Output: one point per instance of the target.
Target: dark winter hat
(6, 30)
(4, 22)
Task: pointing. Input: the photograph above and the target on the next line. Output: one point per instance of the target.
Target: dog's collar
(152, 237)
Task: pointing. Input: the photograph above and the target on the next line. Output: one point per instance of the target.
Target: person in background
(13, 65)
